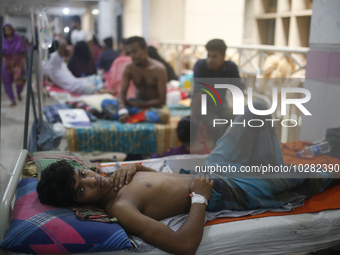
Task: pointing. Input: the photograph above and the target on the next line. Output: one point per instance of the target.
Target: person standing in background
(12, 62)
(79, 34)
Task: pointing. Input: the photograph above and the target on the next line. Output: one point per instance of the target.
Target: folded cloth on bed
(93, 213)
(52, 115)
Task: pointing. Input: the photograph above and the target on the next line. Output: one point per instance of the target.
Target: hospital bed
(288, 234)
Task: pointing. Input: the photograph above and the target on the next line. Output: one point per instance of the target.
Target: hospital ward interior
(170, 127)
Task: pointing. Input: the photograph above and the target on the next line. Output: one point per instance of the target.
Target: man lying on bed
(139, 197)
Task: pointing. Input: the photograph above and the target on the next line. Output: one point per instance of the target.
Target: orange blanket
(327, 200)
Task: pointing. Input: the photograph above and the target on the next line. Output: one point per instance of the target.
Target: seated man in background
(140, 197)
(186, 132)
(150, 78)
(215, 66)
(56, 70)
(107, 57)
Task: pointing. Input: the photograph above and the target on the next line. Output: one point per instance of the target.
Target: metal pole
(38, 73)
(28, 96)
(1, 28)
(31, 89)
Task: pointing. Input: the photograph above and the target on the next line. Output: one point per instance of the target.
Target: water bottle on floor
(315, 149)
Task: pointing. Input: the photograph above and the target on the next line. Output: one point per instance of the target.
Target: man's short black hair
(56, 186)
(218, 45)
(108, 42)
(123, 41)
(186, 129)
(137, 39)
(76, 18)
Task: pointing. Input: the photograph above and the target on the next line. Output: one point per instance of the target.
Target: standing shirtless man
(148, 75)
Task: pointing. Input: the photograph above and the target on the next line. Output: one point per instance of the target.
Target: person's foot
(13, 104)
(19, 97)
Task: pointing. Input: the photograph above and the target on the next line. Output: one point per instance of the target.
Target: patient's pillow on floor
(41, 229)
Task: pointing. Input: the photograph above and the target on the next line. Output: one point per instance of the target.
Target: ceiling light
(66, 30)
(66, 10)
(95, 11)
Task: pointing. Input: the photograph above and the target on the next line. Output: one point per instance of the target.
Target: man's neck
(145, 63)
(108, 200)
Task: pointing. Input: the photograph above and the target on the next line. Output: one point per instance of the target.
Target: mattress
(140, 138)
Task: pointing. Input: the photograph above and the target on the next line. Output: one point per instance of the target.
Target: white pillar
(146, 19)
(107, 19)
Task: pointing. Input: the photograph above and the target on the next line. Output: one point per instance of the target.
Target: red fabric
(138, 117)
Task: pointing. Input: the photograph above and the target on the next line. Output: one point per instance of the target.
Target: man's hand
(124, 118)
(202, 186)
(123, 176)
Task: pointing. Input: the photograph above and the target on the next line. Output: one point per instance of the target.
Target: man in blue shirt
(108, 55)
(215, 67)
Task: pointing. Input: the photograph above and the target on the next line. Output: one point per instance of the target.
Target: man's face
(215, 60)
(137, 54)
(8, 31)
(90, 187)
(74, 25)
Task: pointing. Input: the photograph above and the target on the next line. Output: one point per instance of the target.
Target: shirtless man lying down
(139, 196)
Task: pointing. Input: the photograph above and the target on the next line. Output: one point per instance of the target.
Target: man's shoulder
(157, 64)
(201, 63)
(229, 63)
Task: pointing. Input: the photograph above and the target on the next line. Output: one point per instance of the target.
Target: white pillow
(96, 100)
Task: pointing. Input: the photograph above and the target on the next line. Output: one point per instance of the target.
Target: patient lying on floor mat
(56, 70)
(139, 196)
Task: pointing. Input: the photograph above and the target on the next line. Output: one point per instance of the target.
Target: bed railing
(7, 198)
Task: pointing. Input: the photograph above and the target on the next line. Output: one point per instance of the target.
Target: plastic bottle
(315, 149)
(45, 31)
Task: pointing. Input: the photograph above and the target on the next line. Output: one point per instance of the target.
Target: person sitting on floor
(140, 197)
(107, 57)
(186, 131)
(150, 79)
(56, 70)
(153, 53)
(114, 78)
(81, 63)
